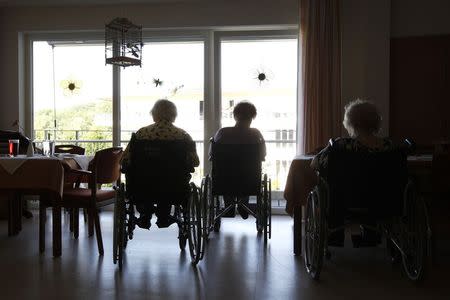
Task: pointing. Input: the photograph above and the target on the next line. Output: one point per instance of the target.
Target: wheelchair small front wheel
(120, 227)
(182, 229)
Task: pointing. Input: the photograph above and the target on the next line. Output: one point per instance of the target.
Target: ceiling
(4, 3)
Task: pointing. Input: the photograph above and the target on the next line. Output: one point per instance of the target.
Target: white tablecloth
(12, 164)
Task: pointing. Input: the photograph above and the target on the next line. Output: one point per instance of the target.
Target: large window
(170, 70)
(205, 73)
(72, 94)
(264, 72)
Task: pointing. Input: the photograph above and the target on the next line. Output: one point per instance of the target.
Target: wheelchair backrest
(367, 180)
(236, 169)
(158, 167)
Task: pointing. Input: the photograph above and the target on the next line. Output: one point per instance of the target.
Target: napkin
(30, 150)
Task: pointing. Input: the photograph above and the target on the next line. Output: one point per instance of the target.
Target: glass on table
(13, 147)
(48, 148)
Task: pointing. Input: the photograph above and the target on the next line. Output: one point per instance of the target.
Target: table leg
(18, 202)
(42, 217)
(11, 216)
(14, 215)
(298, 230)
(56, 230)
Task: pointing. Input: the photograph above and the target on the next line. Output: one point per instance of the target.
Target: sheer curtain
(320, 73)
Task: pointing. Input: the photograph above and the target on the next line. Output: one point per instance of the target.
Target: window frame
(211, 37)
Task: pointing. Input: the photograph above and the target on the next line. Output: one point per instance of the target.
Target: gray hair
(361, 116)
(164, 110)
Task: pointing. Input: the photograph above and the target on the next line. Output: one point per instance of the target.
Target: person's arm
(321, 159)
(262, 143)
(125, 160)
(192, 153)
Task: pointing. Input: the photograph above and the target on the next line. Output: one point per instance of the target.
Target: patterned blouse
(320, 161)
(163, 130)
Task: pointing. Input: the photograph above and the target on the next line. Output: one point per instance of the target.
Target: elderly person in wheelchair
(362, 122)
(236, 154)
(364, 180)
(241, 133)
(163, 113)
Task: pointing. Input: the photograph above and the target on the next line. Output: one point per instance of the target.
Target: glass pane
(77, 97)
(170, 70)
(264, 72)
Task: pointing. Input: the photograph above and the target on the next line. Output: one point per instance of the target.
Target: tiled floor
(236, 266)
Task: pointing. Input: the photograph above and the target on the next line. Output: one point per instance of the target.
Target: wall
(420, 44)
(15, 21)
(419, 17)
(365, 53)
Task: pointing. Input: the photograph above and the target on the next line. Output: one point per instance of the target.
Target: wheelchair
(236, 171)
(373, 190)
(158, 170)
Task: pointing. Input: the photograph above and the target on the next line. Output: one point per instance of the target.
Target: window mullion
(116, 107)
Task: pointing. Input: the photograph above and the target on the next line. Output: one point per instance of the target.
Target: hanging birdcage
(123, 43)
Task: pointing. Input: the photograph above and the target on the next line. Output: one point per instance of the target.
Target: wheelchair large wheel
(414, 239)
(194, 216)
(120, 236)
(266, 209)
(260, 213)
(207, 205)
(217, 222)
(315, 230)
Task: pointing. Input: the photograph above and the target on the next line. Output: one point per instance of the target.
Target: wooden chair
(72, 149)
(104, 169)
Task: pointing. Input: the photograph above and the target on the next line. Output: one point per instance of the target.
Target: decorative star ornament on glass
(263, 75)
(71, 86)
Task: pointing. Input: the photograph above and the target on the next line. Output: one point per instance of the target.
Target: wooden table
(302, 179)
(35, 176)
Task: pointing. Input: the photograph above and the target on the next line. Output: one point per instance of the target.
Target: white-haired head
(361, 117)
(164, 110)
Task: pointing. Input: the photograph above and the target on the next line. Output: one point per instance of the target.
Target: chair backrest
(158, 168)
(106, 165)
(368, 180)
(72, 149)
(236, 169)
(6, 135)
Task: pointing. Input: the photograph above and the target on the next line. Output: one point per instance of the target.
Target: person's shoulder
(257, 134)
(180, 133)
(342, 142)
(224, 131)
(143, 131)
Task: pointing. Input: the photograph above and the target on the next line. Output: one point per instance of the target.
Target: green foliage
(77, 123)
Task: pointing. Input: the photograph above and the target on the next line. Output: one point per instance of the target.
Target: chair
(72, 149)
(236, 171)
(104, 169)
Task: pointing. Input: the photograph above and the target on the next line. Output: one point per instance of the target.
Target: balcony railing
(278, 159)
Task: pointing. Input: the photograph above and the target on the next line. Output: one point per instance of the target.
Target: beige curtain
(320, 78)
